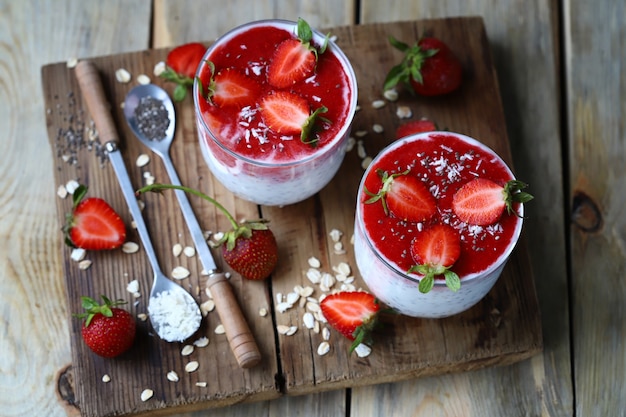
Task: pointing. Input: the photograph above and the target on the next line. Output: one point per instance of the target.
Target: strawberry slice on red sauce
(290, 114)
(295, 59)
(405, 196)
(435, 250)
(230, 87)
(482, 202)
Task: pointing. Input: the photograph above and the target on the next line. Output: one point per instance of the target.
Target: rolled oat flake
(152, 118)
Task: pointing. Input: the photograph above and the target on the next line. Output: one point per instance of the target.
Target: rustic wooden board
(502, 329)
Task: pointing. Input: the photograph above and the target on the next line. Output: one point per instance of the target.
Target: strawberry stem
(387, 180)
(513, 194)
(159, 187)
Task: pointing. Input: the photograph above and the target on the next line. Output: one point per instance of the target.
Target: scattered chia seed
(152, 118)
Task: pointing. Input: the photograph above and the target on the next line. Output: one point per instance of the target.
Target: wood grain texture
(596, 112)
(502, 329)
(34, 335)
(523, 38)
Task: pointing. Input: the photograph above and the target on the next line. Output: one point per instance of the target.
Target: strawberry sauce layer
(443, 163)
(242, 130)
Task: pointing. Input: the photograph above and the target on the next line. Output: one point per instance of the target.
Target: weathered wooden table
(559, 69)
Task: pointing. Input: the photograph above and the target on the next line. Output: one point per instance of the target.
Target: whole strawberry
(353, 313)
(429, 67)
(181, 65)
(93, 224)
(107, 330)
(249, 248)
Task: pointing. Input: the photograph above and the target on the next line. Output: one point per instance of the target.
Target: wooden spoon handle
(97, 103)
(238, 333)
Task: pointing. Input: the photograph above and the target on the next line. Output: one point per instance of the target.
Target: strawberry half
(294, 59)
(482, 202)
(405, 196)
(353, 313)
(182, 63)
(93, 224)
(232, 88)
(415, 126)
(435, 250)
(290, 114)
(107, 330)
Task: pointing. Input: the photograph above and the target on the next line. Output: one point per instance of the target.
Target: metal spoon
(163, 287)
(158, 137)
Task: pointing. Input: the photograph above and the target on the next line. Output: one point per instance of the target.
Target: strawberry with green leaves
(435, 250)
(429, 68)
(181, 65)
(93, 224)
(295, 59)
(249, 248)
(405, 196)
(288, 113)
(482, 202)
(107, 329)
(353, 313)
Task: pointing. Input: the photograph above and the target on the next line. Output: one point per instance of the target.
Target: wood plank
(509, 337)
(35, 335)
(522, 35)
(595, 113)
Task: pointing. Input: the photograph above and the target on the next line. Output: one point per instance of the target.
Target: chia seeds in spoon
(152, 118)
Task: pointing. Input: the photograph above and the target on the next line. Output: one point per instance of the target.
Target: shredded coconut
(175, 316)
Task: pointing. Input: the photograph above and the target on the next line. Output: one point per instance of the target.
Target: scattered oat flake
(159, 68)
(378, 128)
(362, 350)
(133, 286)
(142, 160)
(335, 235)
(62, 191)
(391, 94)
(325, 333)
(201, 342)
(106, 378)
(220, 329)
(292, 330)
(78, 254)
(314, 275)
(143, 79)
(308, 320)
(187, 350)
(314, 262)
(192, 366)
(263, 312)
(378, 104)
(189, 251)
(282, 307)
(323, 348)
(404, 112)
(72, 62)
(306, 291)
(177, 249)
(365, 163)
(172, 376)
(282, 329)
(130, 247)
(360, 133)
(84, 264)
(180, 272)
(146, 394)
(201, 384)
(71, 186)
(122, 75)
(207, 307)
(142, 316)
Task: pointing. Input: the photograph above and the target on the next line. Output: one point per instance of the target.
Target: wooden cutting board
(503, 328)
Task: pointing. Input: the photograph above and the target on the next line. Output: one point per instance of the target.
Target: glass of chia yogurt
(385, 243)
(248, 115)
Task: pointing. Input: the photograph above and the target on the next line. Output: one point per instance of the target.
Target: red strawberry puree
(444, 162)
(248, 157)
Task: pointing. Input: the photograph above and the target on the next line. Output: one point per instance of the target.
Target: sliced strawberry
(482, 202)
(415, 126)
(232, 88)
(353, 313)
(294, 59)
(434, 251)
(290, 114)
(405, 196)
(93, 224)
